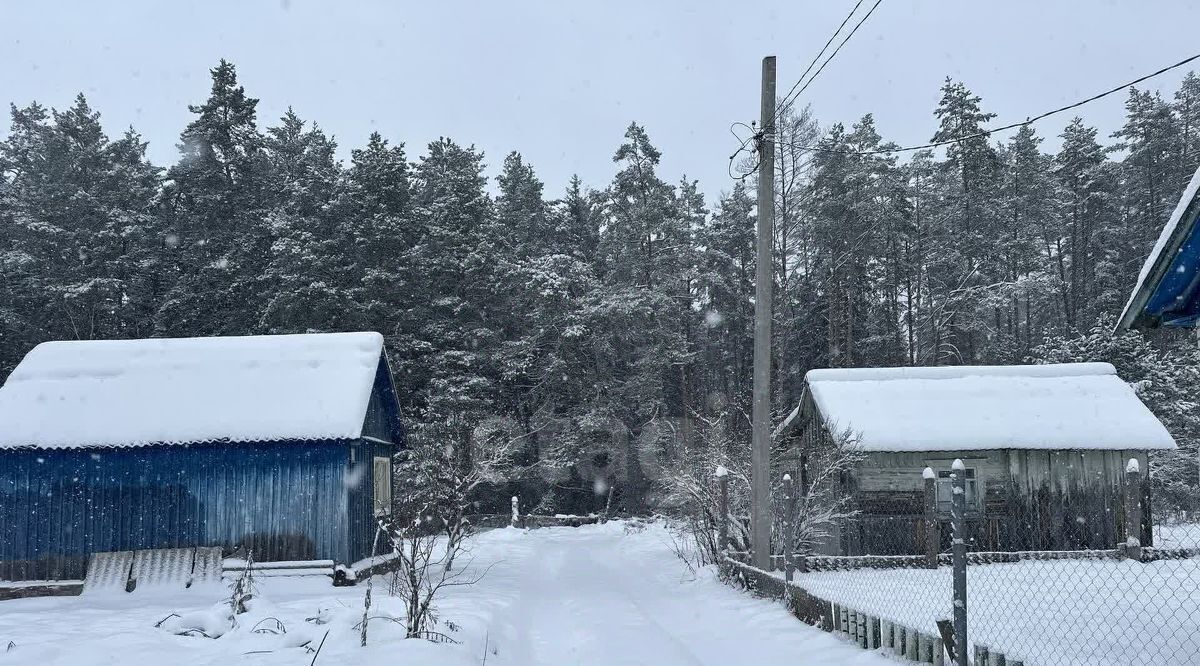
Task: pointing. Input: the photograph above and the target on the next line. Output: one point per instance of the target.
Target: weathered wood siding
(1071, 499)
(1027, 499)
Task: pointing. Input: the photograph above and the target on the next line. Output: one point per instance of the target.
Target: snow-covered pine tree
(216, 201)
(307, 279)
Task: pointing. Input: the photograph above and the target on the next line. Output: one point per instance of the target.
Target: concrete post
(932, 533)
(1133, 510)
(760, 447)
(722, 475)
(789, 528)
(958, 524)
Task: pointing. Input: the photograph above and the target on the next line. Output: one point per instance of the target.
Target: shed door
(383, 486)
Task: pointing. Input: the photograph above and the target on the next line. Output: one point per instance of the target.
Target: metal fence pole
(722, 475)
(789, 527)
(958, 514)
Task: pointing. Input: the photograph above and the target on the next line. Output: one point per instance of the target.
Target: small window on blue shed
(383, 486)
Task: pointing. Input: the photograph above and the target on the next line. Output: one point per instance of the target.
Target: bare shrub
(691, 496)
(423, 572)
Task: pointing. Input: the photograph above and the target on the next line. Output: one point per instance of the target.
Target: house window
(383, 486)
(945, 490)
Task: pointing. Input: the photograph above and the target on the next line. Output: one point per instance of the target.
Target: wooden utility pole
(760, 453)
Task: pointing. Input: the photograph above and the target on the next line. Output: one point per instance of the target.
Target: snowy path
(557, 596)
(596, 595)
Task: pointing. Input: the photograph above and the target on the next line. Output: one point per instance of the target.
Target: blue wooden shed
(280, 444)
(1167, 292)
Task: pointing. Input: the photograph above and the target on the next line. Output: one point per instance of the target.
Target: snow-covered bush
(691, 497)
(826, 502)
(424, 559)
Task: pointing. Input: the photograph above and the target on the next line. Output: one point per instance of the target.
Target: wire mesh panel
(1106, 591)
(1087, 611)
(1069, 565)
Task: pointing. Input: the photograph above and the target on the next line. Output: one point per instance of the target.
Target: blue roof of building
(1168, 288)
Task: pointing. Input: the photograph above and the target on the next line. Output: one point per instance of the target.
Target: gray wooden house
(1045, 447)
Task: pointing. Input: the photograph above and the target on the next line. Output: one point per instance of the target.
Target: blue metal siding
(382, 424)
(1175, 301)
(361, 522)
(66, 503)
(382, 420)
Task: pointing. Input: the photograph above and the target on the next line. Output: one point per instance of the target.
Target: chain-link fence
(1057, 571)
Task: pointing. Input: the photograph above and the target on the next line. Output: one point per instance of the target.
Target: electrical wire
(839, 48)
(758, 134)
(779, 107)
(740, 150)
(989, 132)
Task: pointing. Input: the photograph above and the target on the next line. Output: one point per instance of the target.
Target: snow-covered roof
(1063, 406)
(1167, 292)
(190, 390)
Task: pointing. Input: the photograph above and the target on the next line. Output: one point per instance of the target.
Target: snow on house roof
(1063, 406)
(190, 390)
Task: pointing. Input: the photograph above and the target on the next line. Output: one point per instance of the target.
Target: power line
(789, 97)
(839, 46)
(1027, 121)
(817, 57)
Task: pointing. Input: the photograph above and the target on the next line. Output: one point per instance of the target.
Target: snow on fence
(1129, 604)
(870, 632)
(850, 562)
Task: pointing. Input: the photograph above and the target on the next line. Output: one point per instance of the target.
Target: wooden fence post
(1133, 510)
(926, 656)
(788, 527)
(932, 536)
(912, 644)
(516, 512)
(722, 475)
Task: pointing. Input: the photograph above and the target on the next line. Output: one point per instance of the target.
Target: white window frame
(942, 488)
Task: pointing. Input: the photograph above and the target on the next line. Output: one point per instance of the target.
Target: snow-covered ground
(1177, 535)
(1053, 612)
(557, 596)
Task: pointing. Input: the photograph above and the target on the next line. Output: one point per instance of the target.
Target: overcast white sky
(560, 81)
